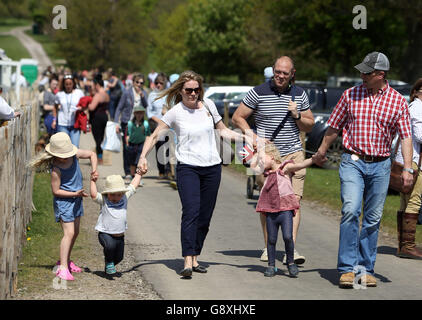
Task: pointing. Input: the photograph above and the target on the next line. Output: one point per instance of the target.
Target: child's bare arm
(57, 192)
(136, 180)
(93, 189)
(92, 156)
(293, 167)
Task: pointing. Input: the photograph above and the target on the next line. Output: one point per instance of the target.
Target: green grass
(13, 47)
(6, 24)
(44, 234)
(41, 250)
(323, 186)
(47, 43)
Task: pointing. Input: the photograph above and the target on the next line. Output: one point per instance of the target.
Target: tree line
(236, 38)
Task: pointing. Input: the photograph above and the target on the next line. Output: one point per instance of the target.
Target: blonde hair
(173, 93)
(41, 162)
(272, 150)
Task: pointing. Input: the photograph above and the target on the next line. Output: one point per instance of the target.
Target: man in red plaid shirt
(369, 116)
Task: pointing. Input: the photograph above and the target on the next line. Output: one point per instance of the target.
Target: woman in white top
(199, 163)
(156, 102)
(65, 111)
(410, 204)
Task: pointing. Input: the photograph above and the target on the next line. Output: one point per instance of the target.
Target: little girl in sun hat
(61, 158)
(112, 222)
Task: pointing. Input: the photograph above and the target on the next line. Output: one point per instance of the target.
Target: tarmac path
(233, 247)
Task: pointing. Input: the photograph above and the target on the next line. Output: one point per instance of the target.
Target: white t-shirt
(68, 101)
(113, 217)
(195, 134)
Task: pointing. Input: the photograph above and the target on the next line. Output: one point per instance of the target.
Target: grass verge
(13, 47)
(41, 250)
(6, 24)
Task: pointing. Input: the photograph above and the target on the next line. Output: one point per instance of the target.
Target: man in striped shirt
(369, 116)
(270, 103)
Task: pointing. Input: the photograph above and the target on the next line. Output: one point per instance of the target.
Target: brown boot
(408, 248)
(399, 230)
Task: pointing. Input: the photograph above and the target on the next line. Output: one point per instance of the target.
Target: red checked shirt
(371, 122)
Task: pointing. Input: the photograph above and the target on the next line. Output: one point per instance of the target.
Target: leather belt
(367, 158)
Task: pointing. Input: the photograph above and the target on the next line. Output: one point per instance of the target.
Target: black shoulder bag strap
(283, 122)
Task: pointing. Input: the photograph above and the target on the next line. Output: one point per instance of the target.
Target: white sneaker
(264, 255)
(141, 183)
(298, 259)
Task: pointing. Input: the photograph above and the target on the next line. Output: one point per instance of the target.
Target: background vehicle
(233, 94)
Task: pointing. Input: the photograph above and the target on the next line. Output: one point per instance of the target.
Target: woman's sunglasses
(139, 82)
(190, 90)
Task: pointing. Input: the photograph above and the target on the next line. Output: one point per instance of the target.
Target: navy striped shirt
(270, 108)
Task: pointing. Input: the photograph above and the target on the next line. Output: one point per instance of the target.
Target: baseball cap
(173, 78)
(138, 108)
(268, 72)
(374, 61)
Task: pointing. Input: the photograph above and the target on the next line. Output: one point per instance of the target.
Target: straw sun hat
(60, 146)
(114, 184)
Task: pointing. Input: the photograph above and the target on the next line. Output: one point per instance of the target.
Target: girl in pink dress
(278, 202)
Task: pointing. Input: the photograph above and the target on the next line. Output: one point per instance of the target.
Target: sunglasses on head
(190, 90)
(68, 76)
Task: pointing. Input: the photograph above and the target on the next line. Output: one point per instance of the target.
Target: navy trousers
(198, 189)
(283, 219)
(114, 247)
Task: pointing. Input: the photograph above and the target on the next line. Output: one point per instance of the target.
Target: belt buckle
(367, 158)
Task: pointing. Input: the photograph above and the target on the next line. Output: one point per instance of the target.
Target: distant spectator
(135, 95)
(97, 114)
(151, 79)
(67, 100)
(6, 112)
(21, 80)
(48, 105)
(154, 114)
(115, 90)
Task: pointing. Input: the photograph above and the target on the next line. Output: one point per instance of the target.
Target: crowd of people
(368, 116)
(72, 102)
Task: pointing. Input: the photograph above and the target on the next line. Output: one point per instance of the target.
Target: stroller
(251, 186)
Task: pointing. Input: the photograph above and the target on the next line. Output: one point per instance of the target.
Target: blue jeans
(73, 133)
(367, 182)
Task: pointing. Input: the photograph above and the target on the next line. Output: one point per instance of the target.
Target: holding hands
(319, 158)
(142, 167)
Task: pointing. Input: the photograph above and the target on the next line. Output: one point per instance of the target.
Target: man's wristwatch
(410, 170)
(298, 116)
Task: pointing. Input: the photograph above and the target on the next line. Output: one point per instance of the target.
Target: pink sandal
(64, 274)
(72, 266)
